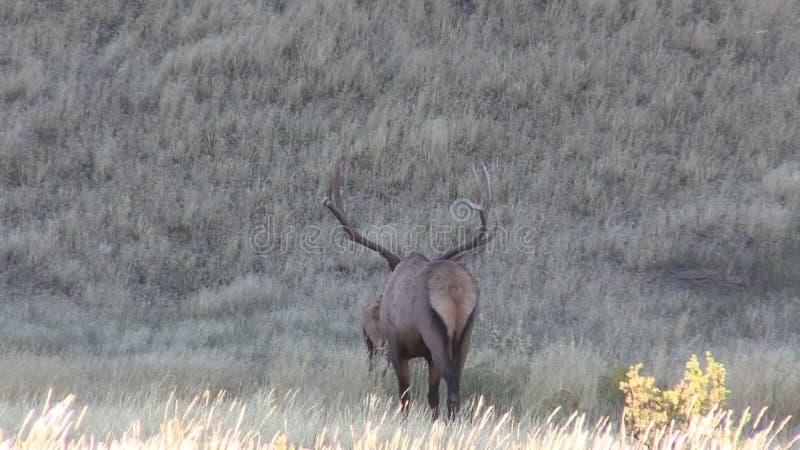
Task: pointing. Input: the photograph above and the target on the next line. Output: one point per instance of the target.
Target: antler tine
(479, 205)
(484, 213)
(333, 201)
(483, 235)
(488, 185)
(334, 189)
(483, 204)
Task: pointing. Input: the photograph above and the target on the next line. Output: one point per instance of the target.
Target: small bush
(696, 394)
(608, 386)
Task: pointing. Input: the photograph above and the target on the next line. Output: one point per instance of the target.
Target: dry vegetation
(216, 423)
(652, 146)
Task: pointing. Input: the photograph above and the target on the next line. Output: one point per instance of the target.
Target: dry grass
(216, 423)
(143, 142)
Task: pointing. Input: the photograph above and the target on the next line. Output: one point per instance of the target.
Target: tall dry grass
(216, 423)
(650, 146)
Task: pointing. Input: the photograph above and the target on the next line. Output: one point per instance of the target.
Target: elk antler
(484, 233)
(333, 201)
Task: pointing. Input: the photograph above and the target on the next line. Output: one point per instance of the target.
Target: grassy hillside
(162, 165)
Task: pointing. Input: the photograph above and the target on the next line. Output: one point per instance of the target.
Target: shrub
(697, 393)
(608, 386)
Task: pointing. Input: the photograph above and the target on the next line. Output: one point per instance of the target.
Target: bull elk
(428, 306)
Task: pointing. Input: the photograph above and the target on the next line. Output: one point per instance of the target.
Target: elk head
(428, 307)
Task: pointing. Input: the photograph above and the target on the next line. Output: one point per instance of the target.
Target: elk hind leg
(461, 347)
(370, 351)
(459, 351)
(453, 380)
(400, 364)
(434, 378)
(441, 348)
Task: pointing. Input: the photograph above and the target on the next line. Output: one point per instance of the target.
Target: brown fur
(373, 338)
(369, 323)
